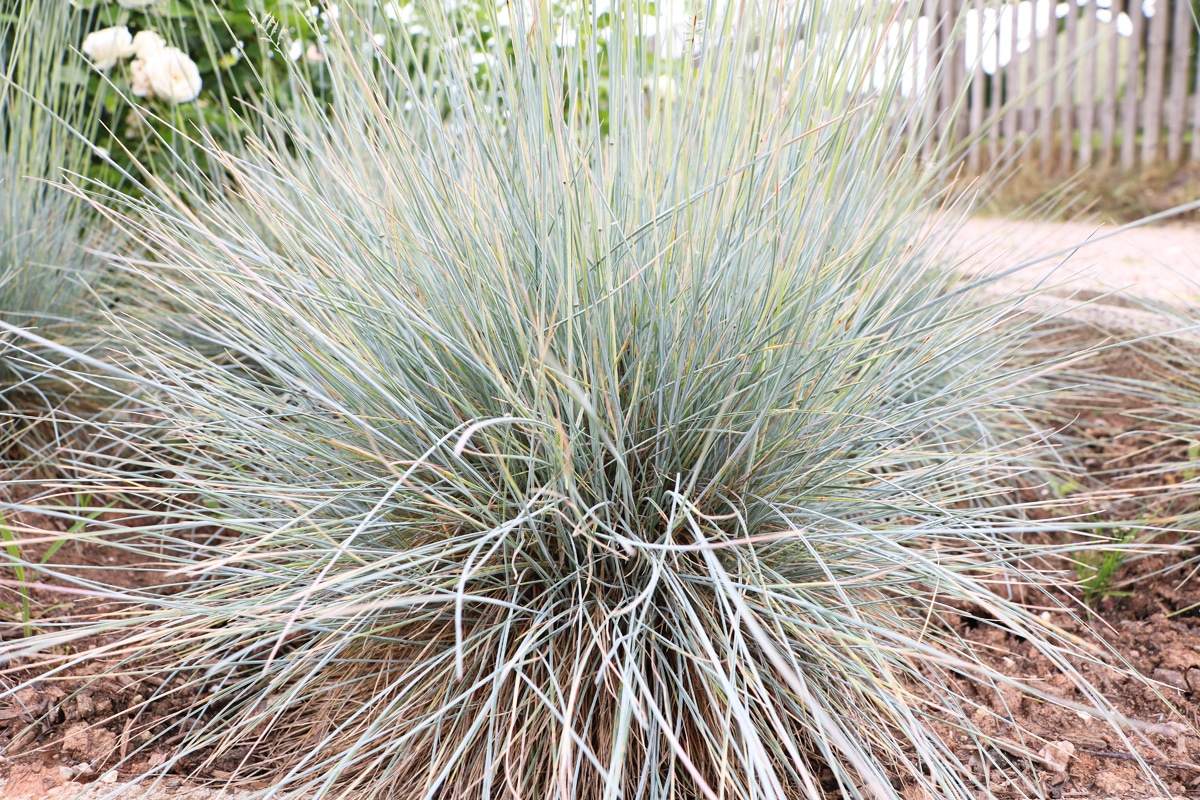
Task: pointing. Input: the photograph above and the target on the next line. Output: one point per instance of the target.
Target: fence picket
(1113, 83)
(1087, 99)
(1006, 78)
(930, 54)
(975, 125)
(1068, 97)
(1181, 45)
(1028, 81)
(1108, 106)
(945, 52)
(1047, 52)
(1156, 63)
(1196, 120)
(1133, 85)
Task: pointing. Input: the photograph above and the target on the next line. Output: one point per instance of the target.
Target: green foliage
(1190, 472)
(231, 46)
(21, 565)
(250, 49)
(1098, 567)
(1065, 487)
(246, 51)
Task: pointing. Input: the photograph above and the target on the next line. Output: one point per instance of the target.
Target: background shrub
(247, 51)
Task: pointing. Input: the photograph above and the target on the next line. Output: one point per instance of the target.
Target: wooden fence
(1107, 85)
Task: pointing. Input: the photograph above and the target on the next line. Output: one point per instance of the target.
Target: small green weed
(1065, 488)
(1097, 568)
(1193, 457)
(26, 576)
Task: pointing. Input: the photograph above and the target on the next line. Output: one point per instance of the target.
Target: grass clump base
(545, 436)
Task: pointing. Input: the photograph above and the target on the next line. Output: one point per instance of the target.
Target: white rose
(148, 43)
(662, 88)
(527, 13)
(172, 75)
(106, 46)
(135, 3)
(139, 80)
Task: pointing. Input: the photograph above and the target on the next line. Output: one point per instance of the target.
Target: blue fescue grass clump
(48, 273)
(605, 428)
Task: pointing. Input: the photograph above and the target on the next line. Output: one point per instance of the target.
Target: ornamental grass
(590, 420)
(48, 271)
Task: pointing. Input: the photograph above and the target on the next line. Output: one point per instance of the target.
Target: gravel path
(1160, 264)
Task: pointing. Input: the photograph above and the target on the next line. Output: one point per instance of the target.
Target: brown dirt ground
(62, 737)
(1149, 615)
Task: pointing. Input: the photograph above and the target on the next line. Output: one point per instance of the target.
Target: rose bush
(164, 70)
(231, 50)
(159, 70)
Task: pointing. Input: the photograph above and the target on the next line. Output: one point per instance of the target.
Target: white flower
(147, 44)
(139, 80)
(405, 14)
(108, 45)
(526, 15)
(671, 29)
(172, 75)
(135, 3)
(662, 89)
(295, 49)
(566, 37)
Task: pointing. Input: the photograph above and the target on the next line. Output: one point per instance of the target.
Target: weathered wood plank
(1047, 52)
(1111, 51)
(996, 101)
(1029, 79)
(1087, 85)
(1133, 87)
(978, 99)
(929, 56)
(949, 76)
(1068, 98)
(960, 67)
(1008, 43)
(1196, 120)
(1156, 63)
(1181, 45)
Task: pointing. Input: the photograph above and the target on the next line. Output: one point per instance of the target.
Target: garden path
(1160, 264)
